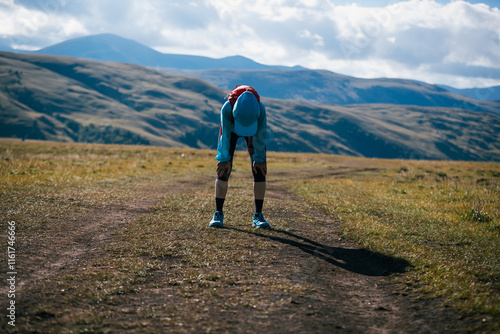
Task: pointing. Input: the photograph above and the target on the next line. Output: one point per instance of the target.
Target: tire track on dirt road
(76, 241)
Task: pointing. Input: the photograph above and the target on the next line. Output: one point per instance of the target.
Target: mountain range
(109, 47)
(483, 93)
(325, 87)
(72, 99)
(297, 83)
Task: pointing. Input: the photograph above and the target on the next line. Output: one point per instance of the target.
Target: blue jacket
(259, 139)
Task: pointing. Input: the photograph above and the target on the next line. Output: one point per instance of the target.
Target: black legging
(257, 177)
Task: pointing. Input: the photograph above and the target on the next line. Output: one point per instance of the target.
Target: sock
(220, 193)
(219, 204)
(258, 205)
(259, 189)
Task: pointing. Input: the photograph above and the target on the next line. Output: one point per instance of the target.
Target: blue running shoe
(217, 219)
(259, 221)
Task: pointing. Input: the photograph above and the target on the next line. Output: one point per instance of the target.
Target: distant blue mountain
(109, 47)
(487, 93)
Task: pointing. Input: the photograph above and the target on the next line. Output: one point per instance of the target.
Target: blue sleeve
(259, 139)
(226, 127)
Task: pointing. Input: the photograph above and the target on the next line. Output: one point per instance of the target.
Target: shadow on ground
(357, 260)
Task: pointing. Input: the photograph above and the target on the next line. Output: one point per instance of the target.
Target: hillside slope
(68, 99)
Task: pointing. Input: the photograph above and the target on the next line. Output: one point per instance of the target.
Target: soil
(351, 290)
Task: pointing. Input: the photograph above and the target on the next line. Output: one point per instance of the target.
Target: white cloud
(30, 27)
(439, 41)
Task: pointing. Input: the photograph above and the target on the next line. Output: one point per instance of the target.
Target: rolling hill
(68, 99)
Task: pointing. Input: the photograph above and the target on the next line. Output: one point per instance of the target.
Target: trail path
(349, 289)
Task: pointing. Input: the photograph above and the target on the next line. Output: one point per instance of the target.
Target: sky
(451, 42)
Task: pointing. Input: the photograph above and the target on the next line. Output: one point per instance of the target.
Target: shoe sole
(265, 226)
(215, 225)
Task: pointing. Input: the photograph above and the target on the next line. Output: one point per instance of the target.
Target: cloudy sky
(450, 42)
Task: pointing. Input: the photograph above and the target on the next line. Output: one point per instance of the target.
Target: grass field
(442, 217)
(114, 238)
